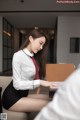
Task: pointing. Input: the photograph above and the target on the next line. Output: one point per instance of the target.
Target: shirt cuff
(36, 83)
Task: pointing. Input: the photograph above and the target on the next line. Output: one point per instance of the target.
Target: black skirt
(11, 95)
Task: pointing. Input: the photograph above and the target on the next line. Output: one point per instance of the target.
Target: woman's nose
(41, 47)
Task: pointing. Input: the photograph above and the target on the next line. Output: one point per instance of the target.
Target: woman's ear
(30, 38)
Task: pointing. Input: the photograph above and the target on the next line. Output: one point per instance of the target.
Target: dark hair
(42, 54)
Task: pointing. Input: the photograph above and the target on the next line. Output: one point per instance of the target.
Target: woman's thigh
(28, 104)
(39, 96)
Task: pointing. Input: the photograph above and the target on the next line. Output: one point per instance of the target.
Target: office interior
(61, 22)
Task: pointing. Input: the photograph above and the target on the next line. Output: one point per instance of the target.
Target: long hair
(42, 54)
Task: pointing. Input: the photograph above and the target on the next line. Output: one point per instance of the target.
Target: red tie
(36, 66)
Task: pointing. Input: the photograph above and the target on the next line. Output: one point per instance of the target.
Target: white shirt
(24, 71)
(66, 102)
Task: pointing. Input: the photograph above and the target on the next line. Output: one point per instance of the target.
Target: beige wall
(67, 27)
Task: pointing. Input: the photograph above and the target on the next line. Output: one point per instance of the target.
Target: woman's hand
(49, 84)
(45, 83)
(54, 86)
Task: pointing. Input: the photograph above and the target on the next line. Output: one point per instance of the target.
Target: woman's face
(37, 44)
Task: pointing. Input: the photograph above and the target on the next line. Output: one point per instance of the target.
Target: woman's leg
(39, 96)
(27, 104)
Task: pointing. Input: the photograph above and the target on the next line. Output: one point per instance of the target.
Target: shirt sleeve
(18, 83)
(65, 103)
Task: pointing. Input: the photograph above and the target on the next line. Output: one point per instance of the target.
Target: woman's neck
(29, 48)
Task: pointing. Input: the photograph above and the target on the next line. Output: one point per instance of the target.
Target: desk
(0, 100)
(58, 72)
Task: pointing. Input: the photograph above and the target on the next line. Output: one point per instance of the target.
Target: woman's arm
(18, 83)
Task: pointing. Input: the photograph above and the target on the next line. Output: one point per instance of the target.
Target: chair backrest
(58, 72)
(4, 81)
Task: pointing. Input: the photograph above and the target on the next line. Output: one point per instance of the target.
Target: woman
(28, 74)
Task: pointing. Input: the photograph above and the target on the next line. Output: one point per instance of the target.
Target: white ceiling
(31, 13)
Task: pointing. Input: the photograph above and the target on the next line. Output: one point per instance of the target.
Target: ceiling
(28, 19)
(40, 13)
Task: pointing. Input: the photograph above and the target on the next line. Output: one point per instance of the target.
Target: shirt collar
(28, 52)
